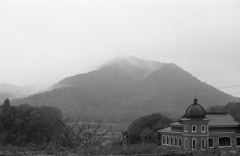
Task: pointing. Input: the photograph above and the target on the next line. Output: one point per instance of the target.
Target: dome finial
(195, 101)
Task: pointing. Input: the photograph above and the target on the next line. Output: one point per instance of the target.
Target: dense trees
(232, 108)
(20, 125)
(44, 127)
(145, 128)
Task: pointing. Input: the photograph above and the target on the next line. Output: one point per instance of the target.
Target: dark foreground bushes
(27, 130)
(22, 125)
(44, 129)
(136, 150)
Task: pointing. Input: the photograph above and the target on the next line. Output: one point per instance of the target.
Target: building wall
(173, 136)
(199, 144)
(232, 136)
(201, 138)
(223, 129)
(195, 142)
(198, 124)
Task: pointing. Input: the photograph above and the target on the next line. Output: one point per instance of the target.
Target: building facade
(198, 129)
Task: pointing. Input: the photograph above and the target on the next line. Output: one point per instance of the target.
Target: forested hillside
(124, 89)
(232, 108)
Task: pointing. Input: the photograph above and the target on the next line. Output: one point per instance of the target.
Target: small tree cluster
(145, 129)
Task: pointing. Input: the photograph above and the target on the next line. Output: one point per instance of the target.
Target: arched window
(179, 141)
(203, 144)
(171, 140)
(175, 141)
(203, 128)
(163, 139)
(185, 128)
(167, 140)
(186, 143)
(193, 143)
(194, 128)
(224, 141)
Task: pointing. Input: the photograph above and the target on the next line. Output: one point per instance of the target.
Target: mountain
(13, 91)
(124, 89)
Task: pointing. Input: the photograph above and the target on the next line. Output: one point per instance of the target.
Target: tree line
(232, 108)
(44, 127)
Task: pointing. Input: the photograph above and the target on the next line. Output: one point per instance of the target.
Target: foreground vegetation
(27, 130)
(141, 149)
(44, 129)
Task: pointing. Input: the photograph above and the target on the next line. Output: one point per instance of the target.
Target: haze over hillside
(136, 68)
(126, 88)
(13, 91)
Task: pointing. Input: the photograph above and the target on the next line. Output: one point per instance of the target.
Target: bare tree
(85, 134)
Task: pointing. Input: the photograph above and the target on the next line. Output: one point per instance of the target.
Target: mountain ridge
(125, 89)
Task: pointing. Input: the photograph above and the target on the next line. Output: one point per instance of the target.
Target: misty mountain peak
(137, 68)
(126, 88)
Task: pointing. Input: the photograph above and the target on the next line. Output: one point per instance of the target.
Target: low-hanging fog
(42, 42)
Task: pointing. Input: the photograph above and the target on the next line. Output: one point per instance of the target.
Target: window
(224, 141)
(179, 141)
(175, 141)
(171, 141)
(185, 128)
(167, 141)
(238, 141)
(186, 143)
(203, 144)
(203, 128)
(163, 139)
(193, 128)
(210, 143)
(193, 143)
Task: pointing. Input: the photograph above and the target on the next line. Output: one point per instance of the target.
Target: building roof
(216, 119)
(221, 119)
(176, 124)
(195, 110)
(166, 129)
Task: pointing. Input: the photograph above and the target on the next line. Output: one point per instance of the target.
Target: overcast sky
(44, 41)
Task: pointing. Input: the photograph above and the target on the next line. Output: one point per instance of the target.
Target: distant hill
(13, 91)
(127, 88)
(4, 96)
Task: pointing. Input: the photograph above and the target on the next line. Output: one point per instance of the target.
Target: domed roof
(195, 110)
